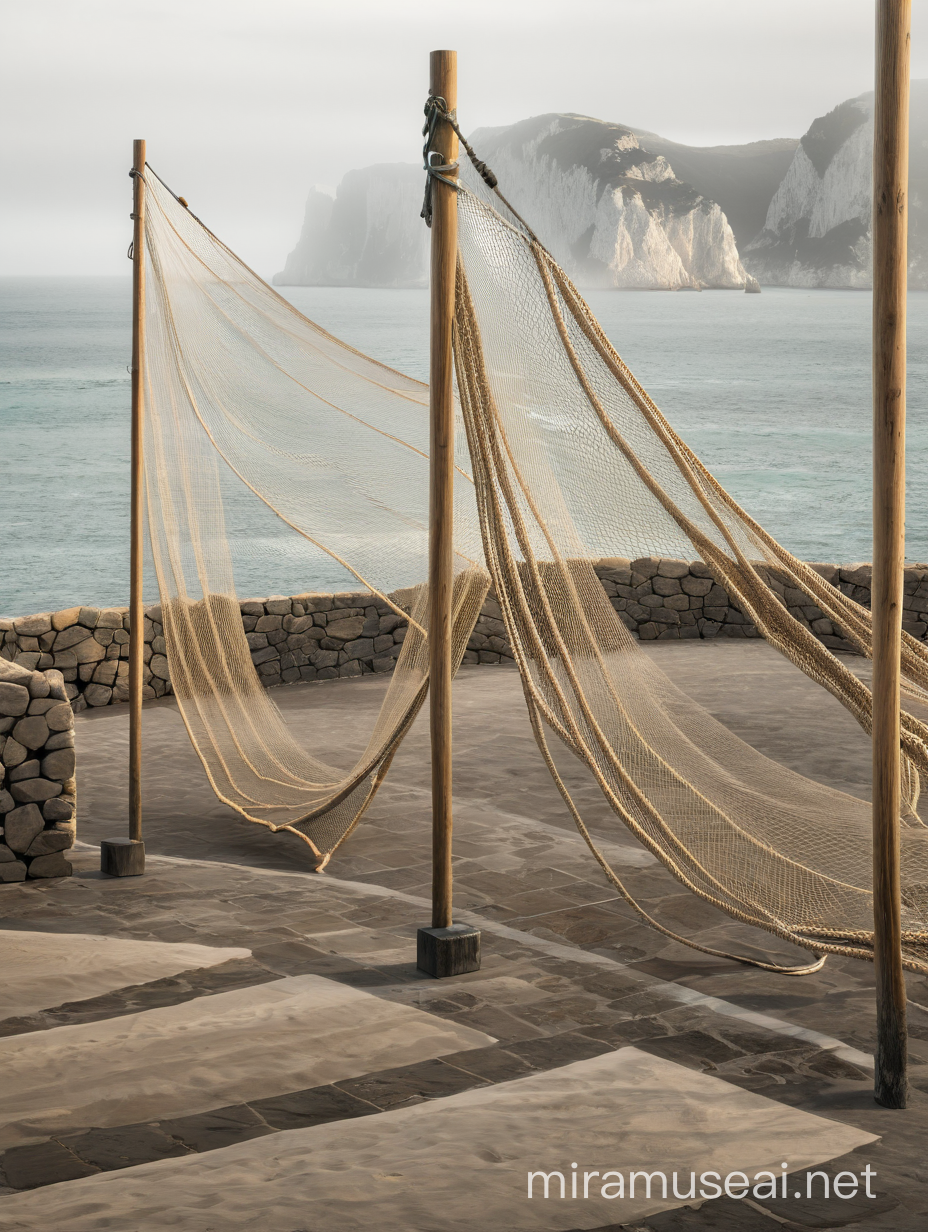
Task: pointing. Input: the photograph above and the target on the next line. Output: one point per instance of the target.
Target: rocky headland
(624, 208)
(817, 229)
(369, 235)
(741, 178)
(611, 211)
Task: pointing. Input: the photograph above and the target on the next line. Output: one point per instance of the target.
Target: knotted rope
(436, 109)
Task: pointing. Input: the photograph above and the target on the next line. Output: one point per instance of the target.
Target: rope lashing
(132, 173)
(436, 109)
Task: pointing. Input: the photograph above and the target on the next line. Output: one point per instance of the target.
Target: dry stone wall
(324, 636)
(89, 646)
(661, 600)
(37, 785)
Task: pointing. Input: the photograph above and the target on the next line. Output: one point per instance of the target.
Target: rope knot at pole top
(436, 110)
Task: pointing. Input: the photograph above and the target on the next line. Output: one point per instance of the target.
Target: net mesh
(563, 460)
(334, 444)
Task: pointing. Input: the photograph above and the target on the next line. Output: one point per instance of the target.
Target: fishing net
(239, 384)
(562, 461)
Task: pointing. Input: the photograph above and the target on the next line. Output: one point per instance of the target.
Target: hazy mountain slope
(370, 235)
(741, 178)
(817, 229)
(614, 214)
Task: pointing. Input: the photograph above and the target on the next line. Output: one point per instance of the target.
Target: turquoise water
(771, 390)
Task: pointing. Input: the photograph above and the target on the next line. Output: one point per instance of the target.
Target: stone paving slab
(42, 970)
(299, 1031)
(185, 986)
(461, 1164)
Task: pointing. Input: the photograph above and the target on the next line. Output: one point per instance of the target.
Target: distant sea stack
(369, 235)
(817, 229)
(611, 210)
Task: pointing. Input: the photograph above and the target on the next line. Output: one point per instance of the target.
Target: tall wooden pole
(446, 948)
(126, 857)
(136, 614)
(890, 212)
(443, 83)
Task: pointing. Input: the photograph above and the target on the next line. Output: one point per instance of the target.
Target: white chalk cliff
(817, 230)
(613, 214)
(369, 235)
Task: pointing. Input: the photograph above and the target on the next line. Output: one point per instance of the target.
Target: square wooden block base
(122, 857)
(448, 951)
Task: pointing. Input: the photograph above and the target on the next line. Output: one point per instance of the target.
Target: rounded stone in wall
(60, 717)
(59, 764)
(159, 667)
(35, 790)
(22, 826)
(32, 732)
(58, 809)
(32, 626)
(48, 842)
(97, 694)
(14, 753)
(14, 698)
(71, 637)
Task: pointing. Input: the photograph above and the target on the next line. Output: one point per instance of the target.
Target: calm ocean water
(771, 390)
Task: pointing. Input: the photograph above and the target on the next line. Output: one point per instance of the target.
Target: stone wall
(661, 599)
(89, 646)
(37, 785)
(298, 637)
(323, 636)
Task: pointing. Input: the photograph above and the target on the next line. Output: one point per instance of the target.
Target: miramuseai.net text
(578, 1183)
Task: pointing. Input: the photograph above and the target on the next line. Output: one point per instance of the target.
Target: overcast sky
(247, 103)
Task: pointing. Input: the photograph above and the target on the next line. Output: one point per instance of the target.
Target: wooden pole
(890, 185)
(445, 949)
(136, 614)
(126, 857)
(443, 83)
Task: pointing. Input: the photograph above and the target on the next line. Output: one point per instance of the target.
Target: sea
(772, 391)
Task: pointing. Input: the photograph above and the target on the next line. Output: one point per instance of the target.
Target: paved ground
(569, 971)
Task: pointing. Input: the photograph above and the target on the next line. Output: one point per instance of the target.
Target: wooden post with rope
(125, 857)
(445, 948)
(890, 215)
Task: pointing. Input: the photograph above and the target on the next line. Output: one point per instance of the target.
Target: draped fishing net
(563, 461)
(237, 381)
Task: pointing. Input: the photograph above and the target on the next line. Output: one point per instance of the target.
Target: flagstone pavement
(569, 971)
